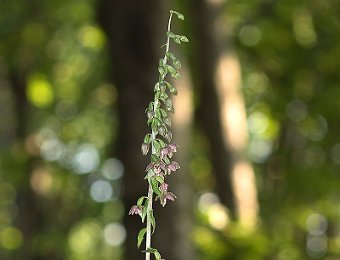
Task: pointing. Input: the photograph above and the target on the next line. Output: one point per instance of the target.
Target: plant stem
(153, 137)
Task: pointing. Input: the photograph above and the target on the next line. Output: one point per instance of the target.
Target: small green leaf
(147, 138)
(161, 142)
(177, 64)
(154, 158)
(144, 211)
(171, 69)
(171, 55)
(171, 35)
(177, 39)
(161, 63)
(164, 113)
(140, 236)
(156, 88)
(179, 15)
(156, 145)
(162, 70)
(154, 185)
(160, 178)
(183, 39)
(167, 121)
(153, 221)
(141, 200)
(166, 160)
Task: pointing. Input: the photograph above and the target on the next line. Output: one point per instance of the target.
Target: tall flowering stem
(160, 141)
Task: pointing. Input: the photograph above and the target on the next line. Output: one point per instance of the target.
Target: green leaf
(175, 61)
(156, 145)
(171, 69)
(141, 200)
(162, 70)
(167, 121)
(166, 160)
(177, 39)
(156, 88)
(164, 113)
(161, 142)
(154, 158)
(158, 114)
(154, 185)
(159, 178)
(155, 252)
(153, 221)
(177, 64)
(147, 138)
(171, 55)
(140, 237)
(171, 35)
(179, 15)
(161, 63)
(144, 211)
(183, 39)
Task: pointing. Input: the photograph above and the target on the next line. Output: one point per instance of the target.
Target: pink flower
(170, 196)
(135, 210)
(173, 147)
(166, 196)
(164, 152)
(157, 168)
(173, 166)
(163, 187)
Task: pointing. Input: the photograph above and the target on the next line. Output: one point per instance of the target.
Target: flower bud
(145, 148)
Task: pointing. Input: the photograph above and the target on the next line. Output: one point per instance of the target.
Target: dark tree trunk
(29, 219)
(208, 114)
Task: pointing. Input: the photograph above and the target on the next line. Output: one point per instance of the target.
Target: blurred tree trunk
(29, 219)
(136, 30)
(221, 112)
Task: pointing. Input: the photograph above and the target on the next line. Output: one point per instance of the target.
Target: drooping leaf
(179, 15)
(183, 39)
(140, 237)
(141, 200)
(144, 211)
(153, 221)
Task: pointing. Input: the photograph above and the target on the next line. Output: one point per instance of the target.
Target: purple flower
(135, 210)
(166, 196)
(173, 147)
(170, 196)
(157, 168)
(164, 152)
(173, 166)
(163, 187)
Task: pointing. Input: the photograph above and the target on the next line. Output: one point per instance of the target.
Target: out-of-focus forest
(256, 118)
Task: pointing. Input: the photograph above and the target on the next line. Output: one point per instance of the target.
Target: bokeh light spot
(101, 191)
(113, 169)
(83, 238)
(10, 238)
(86, 159)
(250, 35)
(39, 91)
(114, 234)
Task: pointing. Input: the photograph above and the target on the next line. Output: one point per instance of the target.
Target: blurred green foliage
(290, 59)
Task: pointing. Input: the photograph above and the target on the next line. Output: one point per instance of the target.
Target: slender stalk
(153, 137)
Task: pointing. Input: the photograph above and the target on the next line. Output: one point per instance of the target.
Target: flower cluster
(159, 141)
